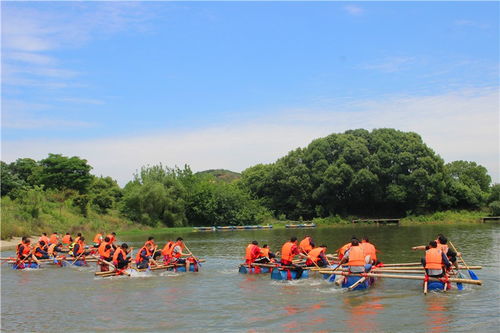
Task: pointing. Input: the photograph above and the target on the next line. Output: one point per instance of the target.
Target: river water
(218, 299)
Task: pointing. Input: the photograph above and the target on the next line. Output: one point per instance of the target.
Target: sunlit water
(218, 299)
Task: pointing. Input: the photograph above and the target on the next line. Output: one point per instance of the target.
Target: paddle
(472, 275)
(78, 258)
(425, 287)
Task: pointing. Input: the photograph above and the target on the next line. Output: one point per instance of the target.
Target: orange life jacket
(343, 249)
(102, 250)
(138, 257)
(44, 238)
(51, 248)
(369, 250)
(305, 245)
(77, 238)
(98, 239)
(264, 252)
(433, 259)
(356, 256)
(38, 254)
(66, 239)
(250, 255)
(54, 239)
(167, 249)
(111, 238)
(315, 253)
(81, 248)
(152, 242)
(286, 251)
(117, 252)
(26, 249)
(178, 254)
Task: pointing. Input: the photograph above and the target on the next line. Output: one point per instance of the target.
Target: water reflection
(362, 313)
(438, 312)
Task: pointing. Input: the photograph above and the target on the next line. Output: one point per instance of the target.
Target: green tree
(60, 172)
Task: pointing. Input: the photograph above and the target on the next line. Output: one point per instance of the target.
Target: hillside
(222, 174)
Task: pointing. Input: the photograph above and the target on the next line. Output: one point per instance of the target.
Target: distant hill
(223, 175)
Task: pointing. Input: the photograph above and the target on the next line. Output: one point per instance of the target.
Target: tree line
(384, 172)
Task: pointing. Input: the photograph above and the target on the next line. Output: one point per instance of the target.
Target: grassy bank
(62, 218)
(17, 220)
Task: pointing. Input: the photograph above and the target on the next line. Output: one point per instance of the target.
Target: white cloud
(28, 35)
(462, 125)
(354, 10)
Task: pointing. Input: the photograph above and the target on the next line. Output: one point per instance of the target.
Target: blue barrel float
(288, 274)
(253, 270)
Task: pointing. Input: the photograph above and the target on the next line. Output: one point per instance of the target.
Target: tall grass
(19, 219)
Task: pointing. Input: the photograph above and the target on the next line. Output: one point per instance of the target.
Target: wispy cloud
(391, 64)
(354, 10)
(23, 115)
(460, 125)
(30, 37)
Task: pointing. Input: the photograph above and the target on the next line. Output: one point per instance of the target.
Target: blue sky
(232, 84)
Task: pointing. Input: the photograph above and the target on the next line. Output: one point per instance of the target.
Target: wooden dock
(378, 221)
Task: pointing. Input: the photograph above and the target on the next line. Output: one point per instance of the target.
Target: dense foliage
(384, 172)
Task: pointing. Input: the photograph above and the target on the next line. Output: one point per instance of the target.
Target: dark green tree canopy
(59, 172)
(384, 172)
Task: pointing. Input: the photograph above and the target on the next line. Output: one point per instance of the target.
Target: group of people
(148, 255)
(356, 254)
(48, 247)
(438, 257)
(118, 257)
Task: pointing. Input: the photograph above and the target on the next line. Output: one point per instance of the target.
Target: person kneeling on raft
(288, 251)
(177, 254)
(317, 257)
(41, 250)
(357, 260)
(145, 256)
(120, 259)
(435, 260)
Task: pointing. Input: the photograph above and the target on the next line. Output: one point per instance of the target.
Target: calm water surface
(218, 299)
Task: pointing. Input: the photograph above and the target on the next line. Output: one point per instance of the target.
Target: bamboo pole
(410, 277)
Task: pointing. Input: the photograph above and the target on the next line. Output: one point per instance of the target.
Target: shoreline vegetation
(381, 173)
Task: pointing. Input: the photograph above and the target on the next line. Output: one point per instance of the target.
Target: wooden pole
(409, 277)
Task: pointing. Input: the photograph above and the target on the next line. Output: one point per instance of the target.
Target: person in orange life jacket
(317, 255)
(79, 248)
(305, 245)
(120, 258)
(23, 241)
(54, 238)
(342, 250)
(288, 251)
(154, 247)
(442, 243)
(112, 239)
(25, 251)
(144, 256)
(266, 255)
(355, 258)
(40, 250)
(435, 260)
(44, 238)
(53, 249)
(105, 253)
(78, 236)
(177, 253)
(370, 251)
(97, 239)
(252, 252)
(67, 240)
(167, 250)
